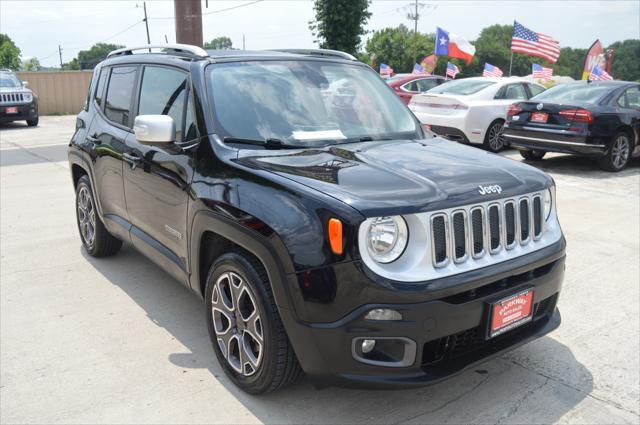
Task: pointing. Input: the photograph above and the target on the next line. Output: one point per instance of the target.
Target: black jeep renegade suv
(325, 229)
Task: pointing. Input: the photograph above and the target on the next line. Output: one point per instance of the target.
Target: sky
(38, 27)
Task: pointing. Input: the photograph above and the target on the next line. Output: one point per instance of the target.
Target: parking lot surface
(116, 340)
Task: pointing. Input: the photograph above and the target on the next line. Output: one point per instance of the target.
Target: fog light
(383, 314)
(368, 345)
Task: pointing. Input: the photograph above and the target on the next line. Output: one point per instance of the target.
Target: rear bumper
(553, 142)
(444, 336)
(27, 111)
(453, 127)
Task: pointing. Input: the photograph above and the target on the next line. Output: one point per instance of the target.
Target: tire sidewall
(262, 378)
(609, 157)
(84, 182)
(487, 141)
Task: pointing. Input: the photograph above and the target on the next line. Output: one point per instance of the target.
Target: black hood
(402, 176)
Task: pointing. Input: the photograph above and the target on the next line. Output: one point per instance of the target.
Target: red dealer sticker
(511, 312)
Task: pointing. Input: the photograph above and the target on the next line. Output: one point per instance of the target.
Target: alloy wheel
(620, 151)
(86, 216)
(496, 139)
(237, 323)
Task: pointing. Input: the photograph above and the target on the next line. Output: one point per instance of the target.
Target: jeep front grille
(487, 229)
(11, 98)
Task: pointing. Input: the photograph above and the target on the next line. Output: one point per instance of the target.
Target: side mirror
(154, 129)
(25, 84)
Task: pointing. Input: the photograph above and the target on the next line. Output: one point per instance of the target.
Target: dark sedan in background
(600, 119)
(409, 85)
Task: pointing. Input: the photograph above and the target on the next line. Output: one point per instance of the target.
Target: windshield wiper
(270, 143)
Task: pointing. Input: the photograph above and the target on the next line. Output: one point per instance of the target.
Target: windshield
(9, 80)
(564, 93)
(463, 87)
(306, 103)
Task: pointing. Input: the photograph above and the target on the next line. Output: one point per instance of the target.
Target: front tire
(33, 122)
(532, 155)
(244, 325)
(494, 139)
(95, 237)
(618, 155)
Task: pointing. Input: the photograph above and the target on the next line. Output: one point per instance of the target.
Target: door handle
(94, 140)
(133, 160)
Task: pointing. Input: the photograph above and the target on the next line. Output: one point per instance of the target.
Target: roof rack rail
(319, 52)
(181, 49)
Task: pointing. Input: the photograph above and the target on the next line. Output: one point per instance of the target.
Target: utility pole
(188, 21)
(60, 55)
(414, 16)
(243, 48)
(146, 21)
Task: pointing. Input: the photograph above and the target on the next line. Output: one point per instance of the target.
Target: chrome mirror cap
(155, 129)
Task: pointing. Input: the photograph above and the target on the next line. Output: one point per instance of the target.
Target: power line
(215, 11)
(111, 36)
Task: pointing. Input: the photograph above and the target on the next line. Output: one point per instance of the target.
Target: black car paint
(276, 205)
(559, 135)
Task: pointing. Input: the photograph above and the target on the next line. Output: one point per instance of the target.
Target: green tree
(88, 59)
(394, 46)
(219, 43)
(72, 65)
(339, 24)
(626, 64)
(570, 62)
(9, 53)
(32, 64)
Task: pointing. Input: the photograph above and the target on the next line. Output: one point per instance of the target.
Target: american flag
(385, 69)
(540, 71)
(599, 74)
(452, 70)
(491, 71)
(534, 43)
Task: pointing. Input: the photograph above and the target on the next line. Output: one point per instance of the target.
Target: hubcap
(620, 151)
(86, 216)
(237, 323)
(496, 141)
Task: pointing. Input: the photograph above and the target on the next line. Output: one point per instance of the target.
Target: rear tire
(493, 139)
(33, 122)
(532, 155)
(618, 154)
(95, 237)
(257, 358)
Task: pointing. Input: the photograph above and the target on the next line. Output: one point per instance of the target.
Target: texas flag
(449, 44)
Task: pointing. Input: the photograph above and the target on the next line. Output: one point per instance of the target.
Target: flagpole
(510, 63)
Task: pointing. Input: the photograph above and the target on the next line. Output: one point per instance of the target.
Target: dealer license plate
(11, 110)
(539, 117)
(511, 312)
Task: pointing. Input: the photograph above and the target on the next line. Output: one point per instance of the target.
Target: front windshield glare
(306, 103)
(581, 92)
(463, 87)
(9, 80)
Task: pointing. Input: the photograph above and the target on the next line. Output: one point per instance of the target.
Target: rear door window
(100, 86)
(119, 94)
(427, 84)
(630, 98)
(535, 89)
(515, 92)
(164, 92)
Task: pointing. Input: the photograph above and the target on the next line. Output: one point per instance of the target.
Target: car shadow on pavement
(578, 166)
(539, 382)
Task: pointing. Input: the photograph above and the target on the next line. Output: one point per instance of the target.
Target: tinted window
(100, 86)
(190, 127)
(306, 103)
(119, 94)
(164, 92)
(426, 84)
(411, 86)
(630, 98)
(536, 89)
(572, 92)
(463, 87)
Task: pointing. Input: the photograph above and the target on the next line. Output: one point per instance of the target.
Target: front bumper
(448, 333)
(28, 111)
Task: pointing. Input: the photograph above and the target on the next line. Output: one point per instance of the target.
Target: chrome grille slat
(11, 97)
(472, 232)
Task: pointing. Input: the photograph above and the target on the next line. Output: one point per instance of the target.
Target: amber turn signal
(335, 235)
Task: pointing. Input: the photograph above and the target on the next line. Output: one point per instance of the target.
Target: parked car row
(599, 119)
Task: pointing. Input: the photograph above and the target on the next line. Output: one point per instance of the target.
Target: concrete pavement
(118, 341)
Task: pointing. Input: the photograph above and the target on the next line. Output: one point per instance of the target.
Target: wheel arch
(628, 130)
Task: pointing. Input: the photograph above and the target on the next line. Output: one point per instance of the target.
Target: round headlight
(387, 238)
(28, 97)
(547, 202)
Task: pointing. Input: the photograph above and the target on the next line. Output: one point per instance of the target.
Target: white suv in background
(472, 110)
